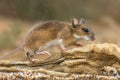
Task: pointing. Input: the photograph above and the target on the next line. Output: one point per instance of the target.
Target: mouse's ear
(74, 22)
(82, 21)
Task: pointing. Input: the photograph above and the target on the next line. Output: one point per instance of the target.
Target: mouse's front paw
(78, 44)
(64, 49)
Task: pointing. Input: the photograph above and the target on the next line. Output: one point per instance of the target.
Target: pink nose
(93, 38)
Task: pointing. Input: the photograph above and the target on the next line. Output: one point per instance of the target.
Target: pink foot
(79, 44)
(34, 60)
(43, 53)
(63, 49)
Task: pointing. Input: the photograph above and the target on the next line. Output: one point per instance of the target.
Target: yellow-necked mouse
(55, 33)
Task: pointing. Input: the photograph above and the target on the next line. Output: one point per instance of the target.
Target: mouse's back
(44, 33)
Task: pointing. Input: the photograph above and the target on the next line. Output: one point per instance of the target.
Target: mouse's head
(81, 31)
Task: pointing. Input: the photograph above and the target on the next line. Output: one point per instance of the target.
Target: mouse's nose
(93, 38)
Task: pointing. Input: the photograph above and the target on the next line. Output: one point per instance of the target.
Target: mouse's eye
(85, 29)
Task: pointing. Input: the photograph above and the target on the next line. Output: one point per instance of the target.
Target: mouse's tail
(15, 51)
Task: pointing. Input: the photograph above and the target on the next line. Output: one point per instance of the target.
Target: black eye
(85, 29)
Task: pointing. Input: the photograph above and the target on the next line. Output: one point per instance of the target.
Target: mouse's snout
(92, 37)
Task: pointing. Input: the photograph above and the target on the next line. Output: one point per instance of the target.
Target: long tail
(11, 52)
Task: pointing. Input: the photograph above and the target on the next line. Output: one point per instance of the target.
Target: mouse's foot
(43, 53)
(29, 56)
(34, 60)
(64, 49)
(79, 44)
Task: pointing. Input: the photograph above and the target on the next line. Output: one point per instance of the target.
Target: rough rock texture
(91, 62)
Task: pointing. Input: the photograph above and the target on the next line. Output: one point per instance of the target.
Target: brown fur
(52, 30)
(44, 33)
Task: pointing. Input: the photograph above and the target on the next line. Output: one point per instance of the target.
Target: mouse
(55, 33)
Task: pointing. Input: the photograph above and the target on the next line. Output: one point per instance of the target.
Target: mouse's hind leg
(43, 53)
(30, 57)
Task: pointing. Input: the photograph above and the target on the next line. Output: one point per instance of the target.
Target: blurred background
(18, 16)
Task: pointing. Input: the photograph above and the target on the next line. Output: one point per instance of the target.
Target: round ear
(74, 22)
(82, 21)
